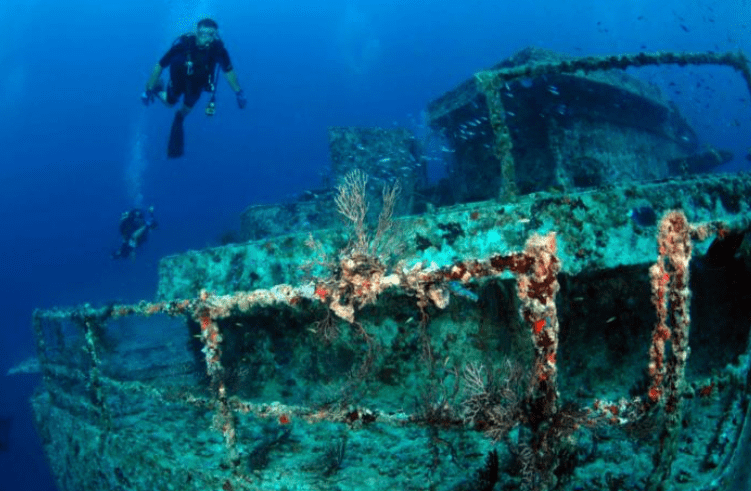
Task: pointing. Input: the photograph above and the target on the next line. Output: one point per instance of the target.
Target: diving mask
(206, 35)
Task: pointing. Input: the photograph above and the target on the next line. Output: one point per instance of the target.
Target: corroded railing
(360, 281)
(492, 81)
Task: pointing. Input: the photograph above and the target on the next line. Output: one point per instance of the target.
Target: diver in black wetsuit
(193, 60)
(134, 229)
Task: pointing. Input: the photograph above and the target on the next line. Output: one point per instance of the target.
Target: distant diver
(194, 61)
(134, 230)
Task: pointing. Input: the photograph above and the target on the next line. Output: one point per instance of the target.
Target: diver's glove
(241, 100)
(147, 97)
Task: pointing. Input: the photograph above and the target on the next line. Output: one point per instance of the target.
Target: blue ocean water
(78, 148)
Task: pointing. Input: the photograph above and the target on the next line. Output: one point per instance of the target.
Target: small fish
(553, 90)
(459, 290)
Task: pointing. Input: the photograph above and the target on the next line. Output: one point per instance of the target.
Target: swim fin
(176, 137)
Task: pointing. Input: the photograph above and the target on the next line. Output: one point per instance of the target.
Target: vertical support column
(224, 420)
(91, 323)
(491, 86)
(671, 298)
(537, 288)
(36, 322)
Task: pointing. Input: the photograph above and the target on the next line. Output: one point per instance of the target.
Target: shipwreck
(568, 308)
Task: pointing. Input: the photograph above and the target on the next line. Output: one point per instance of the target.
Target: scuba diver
(134, 229)
(194, 61)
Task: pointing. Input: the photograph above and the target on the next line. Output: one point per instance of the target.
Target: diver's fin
(176, 137)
